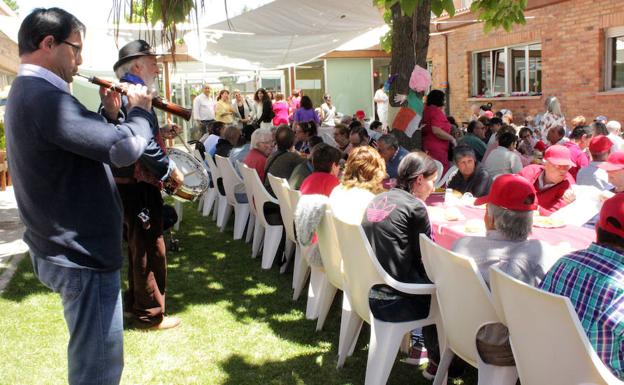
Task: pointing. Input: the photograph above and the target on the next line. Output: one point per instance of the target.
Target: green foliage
(499, 13)
(12, 4)
(2, 136)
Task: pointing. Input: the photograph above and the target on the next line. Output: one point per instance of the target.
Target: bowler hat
(133, 50)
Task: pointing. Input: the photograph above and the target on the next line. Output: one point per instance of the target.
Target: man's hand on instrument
(111, 101)
(177, 176)
(170, 131)
(138, 96)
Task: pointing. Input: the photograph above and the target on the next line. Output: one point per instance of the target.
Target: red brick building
(572, 49)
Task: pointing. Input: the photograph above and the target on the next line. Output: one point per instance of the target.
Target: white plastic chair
(548, 340)
(280, 188)
(361, 272)
(450, 173)
(258, 230)
(440, 168)
(301, 269)
(221, 201)
(207, 200)
(272, 233)
(465, 305)
(332, 263)
(252, 208)
(231, 181)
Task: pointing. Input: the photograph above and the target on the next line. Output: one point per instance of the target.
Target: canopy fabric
(283, 33)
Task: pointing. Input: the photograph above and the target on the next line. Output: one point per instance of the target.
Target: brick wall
(572, 35)
(9, 61)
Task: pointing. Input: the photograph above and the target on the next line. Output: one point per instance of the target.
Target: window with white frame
(614, 66)
(508, 71)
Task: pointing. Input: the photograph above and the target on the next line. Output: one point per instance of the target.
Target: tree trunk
(410, 43)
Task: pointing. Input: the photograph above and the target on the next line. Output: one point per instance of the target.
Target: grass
(240, 326)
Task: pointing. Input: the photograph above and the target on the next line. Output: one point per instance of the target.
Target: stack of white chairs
(231, 181)
(465, 305)
(547, 338)
(362, 271)
(272, 233)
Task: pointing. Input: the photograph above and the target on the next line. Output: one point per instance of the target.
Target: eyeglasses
(77, 48)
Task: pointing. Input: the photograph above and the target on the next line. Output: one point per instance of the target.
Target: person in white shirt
(328, 112)
(615, 135)
(592, 174)
(203, 112)
(382, 101)
(504, 159)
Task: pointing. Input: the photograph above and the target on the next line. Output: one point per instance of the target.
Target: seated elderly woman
(508, 220)
(261, 148)
(471, 177)
(361, 180)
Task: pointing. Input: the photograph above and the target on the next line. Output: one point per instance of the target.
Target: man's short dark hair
(284, 137)
(579, 131)
(313, 141)
(389, 140)
(324, 157)
(355, 123)
(362, 133)
(472, 125)
(341, 129)
(506, 139)
(495, 120)
(599, 128)
(43, 22)
(560, 130)
(375, 124)
(607, 237)
(216, 127)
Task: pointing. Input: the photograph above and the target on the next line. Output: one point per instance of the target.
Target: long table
(446, 232)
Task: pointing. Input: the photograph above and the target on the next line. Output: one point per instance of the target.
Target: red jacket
(550, 199)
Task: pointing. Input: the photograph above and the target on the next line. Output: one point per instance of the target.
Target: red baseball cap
(614, 162)
(540, 146)
(599, 144)
(512, 192)
(612, 215)
(360, 114)
(559, 155)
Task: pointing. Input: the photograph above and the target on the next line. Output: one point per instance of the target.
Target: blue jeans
(92, 309)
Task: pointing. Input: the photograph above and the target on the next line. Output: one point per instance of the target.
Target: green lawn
(240, 326)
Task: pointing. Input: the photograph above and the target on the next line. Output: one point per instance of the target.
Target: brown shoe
(167, 322)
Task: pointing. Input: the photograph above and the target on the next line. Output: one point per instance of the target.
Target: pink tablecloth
(447, 232)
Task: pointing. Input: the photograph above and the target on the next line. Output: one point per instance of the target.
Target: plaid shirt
(593, 279)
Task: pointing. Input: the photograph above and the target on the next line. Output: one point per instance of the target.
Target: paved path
(12, 248)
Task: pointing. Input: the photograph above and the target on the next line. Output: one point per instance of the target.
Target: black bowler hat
(133, 50)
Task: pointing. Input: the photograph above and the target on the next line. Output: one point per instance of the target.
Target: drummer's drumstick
(190, 173)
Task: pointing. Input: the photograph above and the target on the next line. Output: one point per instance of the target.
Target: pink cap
(512, 192)
(612, 215)
(614, 162)
(559, 155)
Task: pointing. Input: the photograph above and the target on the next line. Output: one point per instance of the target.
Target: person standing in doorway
(382, 101)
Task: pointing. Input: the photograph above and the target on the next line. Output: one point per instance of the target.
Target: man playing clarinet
(140, 186)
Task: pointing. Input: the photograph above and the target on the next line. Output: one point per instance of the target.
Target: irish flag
(408, 118)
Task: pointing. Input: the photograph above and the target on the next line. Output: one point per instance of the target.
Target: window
(508, 71)
(614, 68)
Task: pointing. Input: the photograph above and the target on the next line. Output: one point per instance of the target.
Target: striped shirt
(593, 279)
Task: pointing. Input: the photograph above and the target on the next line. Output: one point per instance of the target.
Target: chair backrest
(260, 194)
(230, 178)
(246, 173)
(330, 251)
(463, 297)
(280, 188)
(440, 168)
(450, 173)
(359, 272)
(294, 199)
(214, 170)
(547, 338)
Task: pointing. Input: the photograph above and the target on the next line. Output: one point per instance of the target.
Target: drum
(195, 176)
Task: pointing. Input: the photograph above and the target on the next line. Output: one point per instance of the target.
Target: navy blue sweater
(59, 155)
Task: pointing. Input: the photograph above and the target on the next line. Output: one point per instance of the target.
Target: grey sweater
(59, 156)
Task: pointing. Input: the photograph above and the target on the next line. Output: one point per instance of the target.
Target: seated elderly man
(508, 220)
(475, 139)
(592, 174)
(592, 279)
(615, 171)
(552, 181)
(615, 135)
(389, 149)
(471, 176)
(283, 161)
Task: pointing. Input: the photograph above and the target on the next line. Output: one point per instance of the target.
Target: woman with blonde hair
(553, 116)
(362, 179)
(224, 111)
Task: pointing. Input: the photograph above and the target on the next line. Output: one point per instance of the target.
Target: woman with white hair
(261, 147)
(553, 116)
